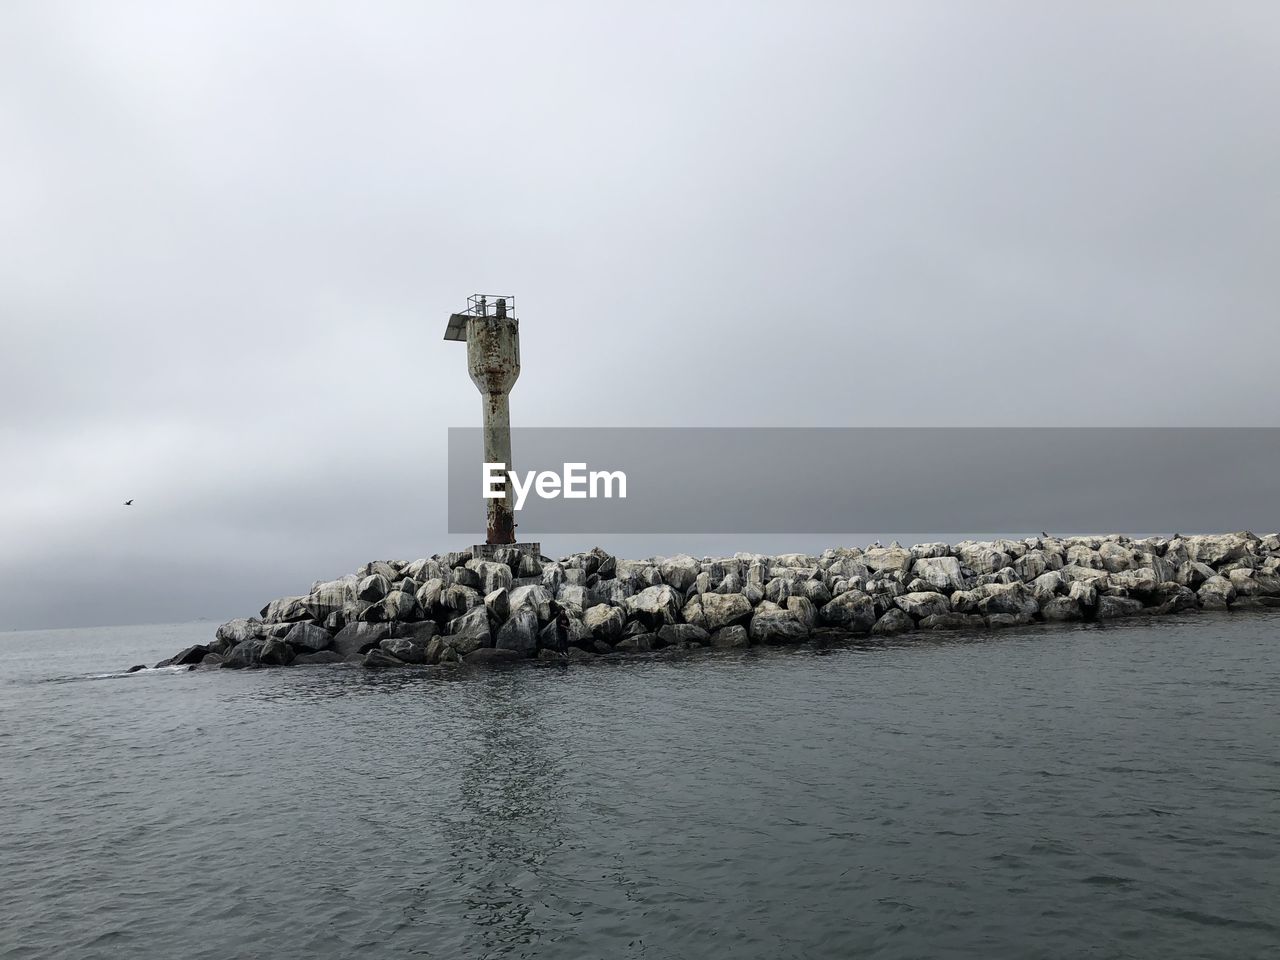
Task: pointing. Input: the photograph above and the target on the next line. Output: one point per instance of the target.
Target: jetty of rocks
(456, 608)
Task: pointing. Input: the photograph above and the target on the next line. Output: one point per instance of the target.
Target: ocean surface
(1053, 792)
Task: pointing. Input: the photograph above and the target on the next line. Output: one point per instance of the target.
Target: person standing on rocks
(562, 630)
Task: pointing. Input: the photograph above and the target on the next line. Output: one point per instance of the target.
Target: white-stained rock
(533, 595)
(713, 611)
(396, 605)
(604, 622)
(852, 610)
(1048, 584)
(803, 610)
(1115, 557)
(882, 560)
(773, 625)
(520, 632)
(358, 638)
(1218, 549)
(731, 636)
(498, 603)
(239, 630)
(920, 605)
(682, 635)
(943, 573)
(982, 557)
(373, 588)
(493, 575)
(680, 572)
(1061, 608)
(286, 610)
(654, 606)
(308, 638)
(470, 631)
(893, 621)
(1110, 608)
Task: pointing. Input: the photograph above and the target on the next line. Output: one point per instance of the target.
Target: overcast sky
(232, 233)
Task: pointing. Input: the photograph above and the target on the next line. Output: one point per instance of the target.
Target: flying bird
(128, 503)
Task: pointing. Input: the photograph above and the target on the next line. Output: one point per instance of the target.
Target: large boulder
(238, 631)
(941, 573)
(771, 624)
(654, 606)
(1216, 592)
(682, 634)
(1174, 598)
(1073, 572)
(493, 576)
(330, 597)
(1110, 608)
(921, 605)
(604, 622)
(712, 611)
(245, 655)
(1141, 580)
(852, 610)
(893, 621)
(192, 654)
(308, 638)
(1193, 573)
(1011, 598)
(458, 599)
(982, 557)
(379, 659)
(1047, 585)
(276, 653)
(1115, 557)
(405, 650)
(1218, 549)
(803, 610)
(358, 638)
(424, 570)
(1084, 592)
(498, 604)
(396, 605)
(533, 595)
(373, 588)
(680, 572)
(520, 632)
(420, 632)
(887, 560)
(730, 637)
(380, 568)
(777, 590)
(1061, 608)
(286, 610)
(1031, 564)
(428, 596)
(470, 631)
(322, 658)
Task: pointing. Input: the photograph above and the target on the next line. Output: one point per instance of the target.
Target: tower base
(485, 551)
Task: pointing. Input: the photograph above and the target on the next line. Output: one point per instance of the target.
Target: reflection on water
(510, 808)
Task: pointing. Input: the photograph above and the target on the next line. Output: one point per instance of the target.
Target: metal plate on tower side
(457, 328)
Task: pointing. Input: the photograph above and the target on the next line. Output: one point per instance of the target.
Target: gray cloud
(231, 234)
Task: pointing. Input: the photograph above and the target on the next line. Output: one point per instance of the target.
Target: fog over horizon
(233, 233)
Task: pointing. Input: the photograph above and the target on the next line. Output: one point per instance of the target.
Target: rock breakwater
(513, 606)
